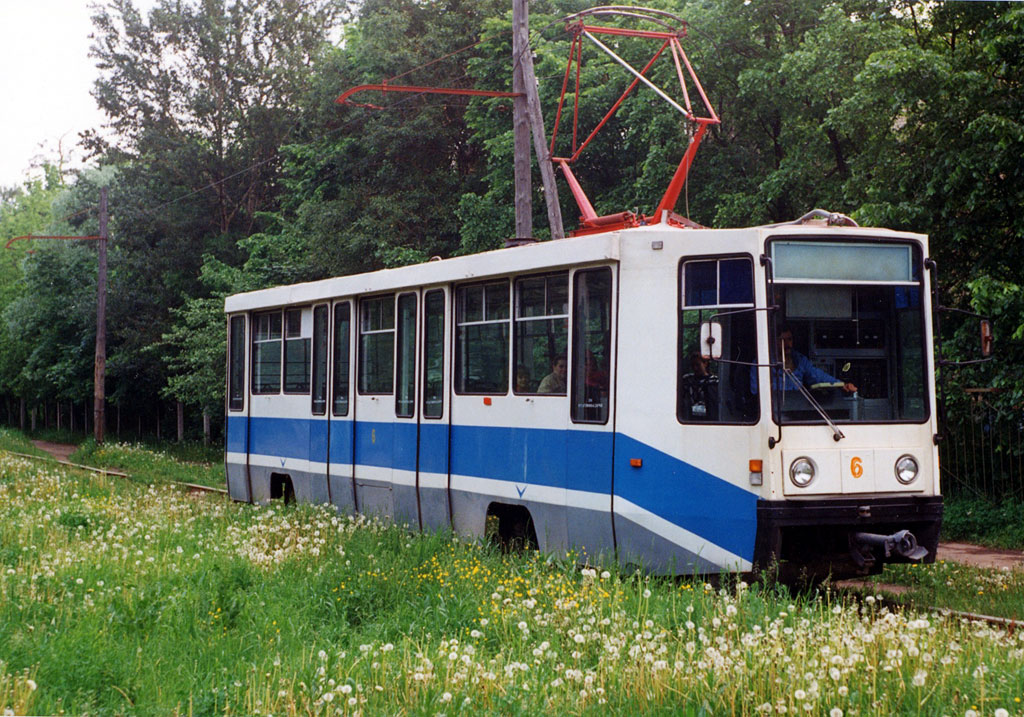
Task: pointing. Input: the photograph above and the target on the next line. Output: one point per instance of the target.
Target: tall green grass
(185, 463)
(124, 598)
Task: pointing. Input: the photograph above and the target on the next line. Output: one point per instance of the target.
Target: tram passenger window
(405, 396)
(591, 345)
(320, 360)
(433, 354)
(266, 353)
(717, 391)
(377, 345)
(236, 363)
(481, 338)
(542, 334)
(342, 329)
(296, 353)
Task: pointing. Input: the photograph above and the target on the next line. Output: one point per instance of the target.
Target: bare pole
(520, 122)
(524, 80)
(100, 366)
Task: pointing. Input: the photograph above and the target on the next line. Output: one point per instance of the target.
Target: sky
(45, 81)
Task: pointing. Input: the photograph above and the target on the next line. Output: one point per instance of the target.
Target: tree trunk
(32, 417)
(181, 421)
(71, 415)
(158, 423)
(206, 428)
(119, 421)
(21, 419)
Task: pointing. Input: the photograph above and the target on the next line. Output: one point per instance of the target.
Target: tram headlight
(906, 469)
(801, 472)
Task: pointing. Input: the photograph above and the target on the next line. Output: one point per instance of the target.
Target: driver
(800, 367)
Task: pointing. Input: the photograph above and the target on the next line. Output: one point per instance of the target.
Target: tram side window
(296, 353)
(377, 345)
(721, 290)
(342, 329)
(266, 353)
(433, 354)
(405, 396)
(542, 330)
(320, 360)
(591, 345)
(236, 372)
(481, 338)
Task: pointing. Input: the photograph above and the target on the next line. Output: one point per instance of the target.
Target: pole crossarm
(46, 236)
(343, 99)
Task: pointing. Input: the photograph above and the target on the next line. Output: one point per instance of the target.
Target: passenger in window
(700, 390)
(523, 380)
(554, 382)
(799, 366)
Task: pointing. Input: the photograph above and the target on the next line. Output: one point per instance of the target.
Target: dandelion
(446, 697)
(919, 678)
(346, 689)
(835, 712)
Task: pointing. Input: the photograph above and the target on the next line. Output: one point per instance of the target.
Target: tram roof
(540, 256)
(499, 262)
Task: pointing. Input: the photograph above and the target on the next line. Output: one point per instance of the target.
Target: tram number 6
(856, 467)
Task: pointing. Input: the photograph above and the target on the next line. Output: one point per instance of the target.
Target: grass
(186, 463)
(117, 597)
(12, 440)
(986, 591)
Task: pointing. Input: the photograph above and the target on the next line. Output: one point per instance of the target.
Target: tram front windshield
(849, 329)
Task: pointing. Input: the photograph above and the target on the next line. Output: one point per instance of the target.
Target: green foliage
(157, 464)
(980, 521)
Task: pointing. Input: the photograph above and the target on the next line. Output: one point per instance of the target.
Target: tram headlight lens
(906, 469)
(801, 472)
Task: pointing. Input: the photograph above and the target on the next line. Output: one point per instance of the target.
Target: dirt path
(60, 451)
(980, 556)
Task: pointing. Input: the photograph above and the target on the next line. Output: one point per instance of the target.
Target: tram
(683, 399)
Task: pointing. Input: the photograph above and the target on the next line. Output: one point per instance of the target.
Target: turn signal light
(636, 462)
(755, 465)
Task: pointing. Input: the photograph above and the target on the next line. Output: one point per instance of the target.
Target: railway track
(855, 589)
(193, 488)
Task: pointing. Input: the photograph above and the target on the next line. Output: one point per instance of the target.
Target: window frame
(361, 359)
(284, 351)
(516, 319)
(254, 333)
(235, 360)
(427, 295)
(456, 366)
(314, 383)
(714, 309)
(572, 348)
(398, 368)
(335, 355)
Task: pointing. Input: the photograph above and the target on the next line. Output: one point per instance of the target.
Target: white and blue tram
(562, 390)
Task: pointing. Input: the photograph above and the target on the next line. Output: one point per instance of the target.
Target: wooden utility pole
(527, 118)
(521, 123)
(100, 367)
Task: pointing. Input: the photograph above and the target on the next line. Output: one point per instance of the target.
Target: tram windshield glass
(849, 330)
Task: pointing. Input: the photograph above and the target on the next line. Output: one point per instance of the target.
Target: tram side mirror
(987, 338)
(711, 340)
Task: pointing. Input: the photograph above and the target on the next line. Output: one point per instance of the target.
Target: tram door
(374, 424)
(341, 428)
(591, 429)
(405, 412)
(432, 464)
(319, 425)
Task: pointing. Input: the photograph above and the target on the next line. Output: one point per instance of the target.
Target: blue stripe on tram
(665, 486)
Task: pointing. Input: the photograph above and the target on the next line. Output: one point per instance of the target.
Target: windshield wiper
(837, 435)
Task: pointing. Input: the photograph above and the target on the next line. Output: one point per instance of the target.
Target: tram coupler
(902, 543)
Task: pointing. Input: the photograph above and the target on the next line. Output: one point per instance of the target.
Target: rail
(191, 487)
